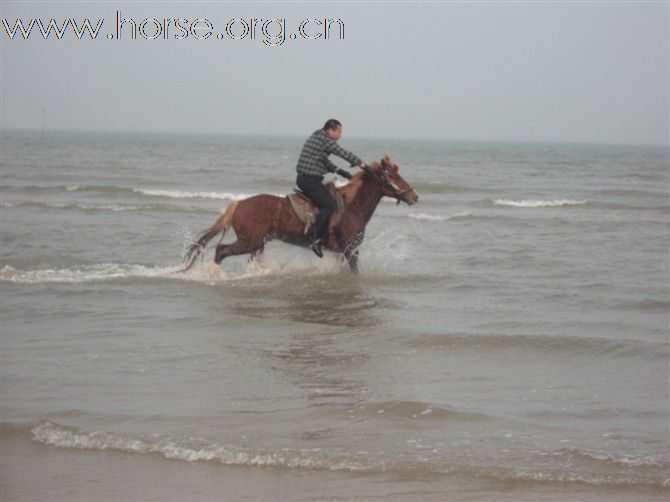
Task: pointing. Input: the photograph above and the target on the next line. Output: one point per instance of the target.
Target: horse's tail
(222, 224)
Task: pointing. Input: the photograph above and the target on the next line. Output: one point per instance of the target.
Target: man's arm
(333, 148)
(344, 174)
(334, 169)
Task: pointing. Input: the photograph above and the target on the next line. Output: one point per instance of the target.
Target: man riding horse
(312, 165)
(261, 218)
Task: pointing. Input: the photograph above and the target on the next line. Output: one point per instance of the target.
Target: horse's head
(386, 174)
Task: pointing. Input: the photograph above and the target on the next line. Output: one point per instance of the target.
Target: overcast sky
(559, 71)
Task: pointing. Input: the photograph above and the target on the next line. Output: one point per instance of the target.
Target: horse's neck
(366, 200)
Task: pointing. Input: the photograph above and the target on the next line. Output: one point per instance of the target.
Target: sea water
(512, 326)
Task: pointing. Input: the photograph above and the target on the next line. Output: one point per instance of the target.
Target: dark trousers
(313, 187)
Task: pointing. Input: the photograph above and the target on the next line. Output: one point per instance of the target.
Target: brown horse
(261, 218)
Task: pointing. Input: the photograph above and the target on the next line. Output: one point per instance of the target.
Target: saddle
(307, 210)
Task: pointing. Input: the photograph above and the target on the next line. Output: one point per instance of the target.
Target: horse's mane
(350, 190)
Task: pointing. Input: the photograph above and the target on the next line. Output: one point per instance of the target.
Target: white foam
(85, 273)
(630, 460)
(109, 207)
(437, 217)
(314, 458)
(378, 254)
(539, 203)
(46, 433)
(180, 194)
(302, 263)
(53, 435)
(103, 207)
(653, 461)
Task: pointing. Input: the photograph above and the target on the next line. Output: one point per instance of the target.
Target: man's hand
(344, 174)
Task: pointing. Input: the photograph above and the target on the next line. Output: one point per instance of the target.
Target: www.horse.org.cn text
(270, 32)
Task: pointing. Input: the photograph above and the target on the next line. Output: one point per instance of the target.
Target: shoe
(316, 247)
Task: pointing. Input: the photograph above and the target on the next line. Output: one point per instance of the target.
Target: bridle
(383, 176)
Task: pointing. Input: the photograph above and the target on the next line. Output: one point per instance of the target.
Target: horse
(262, 218)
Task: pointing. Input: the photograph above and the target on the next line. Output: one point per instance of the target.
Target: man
(312, 165)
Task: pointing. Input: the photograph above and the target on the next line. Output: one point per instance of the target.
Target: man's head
(333, 128)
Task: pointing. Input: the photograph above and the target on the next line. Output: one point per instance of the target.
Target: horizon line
(40, 131)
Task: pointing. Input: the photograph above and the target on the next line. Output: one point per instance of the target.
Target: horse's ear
(386, 159)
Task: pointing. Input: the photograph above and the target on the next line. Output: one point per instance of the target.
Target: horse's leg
(351, 251)
(253, 223)
(352, 259)
(256, 253)
(236, 248)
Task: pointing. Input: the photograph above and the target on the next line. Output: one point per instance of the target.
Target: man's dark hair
(332, 124)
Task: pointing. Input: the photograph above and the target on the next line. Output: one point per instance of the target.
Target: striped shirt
(314, 156)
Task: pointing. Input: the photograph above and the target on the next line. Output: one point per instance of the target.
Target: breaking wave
(539, 203)
(55, 435)
(104, 207)
(180, 194)
(637, 471)
(116, 190)
(438, 217)
(413, 410)
(625, 460)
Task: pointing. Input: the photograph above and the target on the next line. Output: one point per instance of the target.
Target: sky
(594, 72)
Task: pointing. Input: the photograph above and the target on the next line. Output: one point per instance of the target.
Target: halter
(391, 183)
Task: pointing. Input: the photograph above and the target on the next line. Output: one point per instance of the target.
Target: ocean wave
(85, 273)
(596, 415)
(632, 193)
(414, 410)
(548, 344)
(33, 188)
(181, 194)
(625, 460)
(650, 305)
(208, 273)
(637, 473)
(98, 188)
(664, 209)
(539, 203)
(68, 437)
(438, 217)
(566, 476)
(151, 192)
(105, 207)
